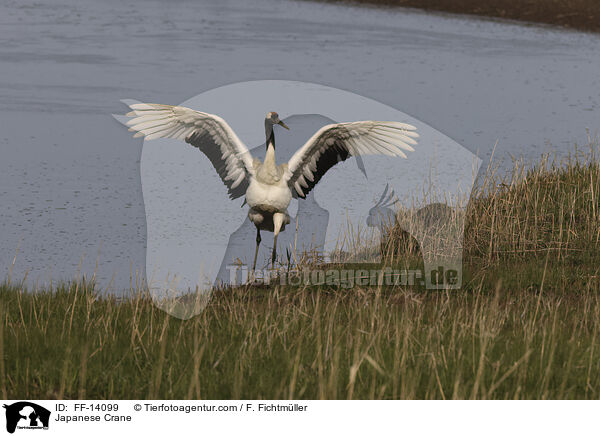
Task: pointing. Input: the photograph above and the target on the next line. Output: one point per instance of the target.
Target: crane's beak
(282, 124)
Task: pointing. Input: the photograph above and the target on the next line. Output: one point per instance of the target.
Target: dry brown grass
(525, 324)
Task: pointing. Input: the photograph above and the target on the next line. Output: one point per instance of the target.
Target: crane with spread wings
(269, 187)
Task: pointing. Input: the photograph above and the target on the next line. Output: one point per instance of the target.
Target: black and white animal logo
(26, 415)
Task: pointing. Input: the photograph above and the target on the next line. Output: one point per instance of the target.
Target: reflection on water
(69, 174)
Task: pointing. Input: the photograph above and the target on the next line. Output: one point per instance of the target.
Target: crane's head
(273, 118)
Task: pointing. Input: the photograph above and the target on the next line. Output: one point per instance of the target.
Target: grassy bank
(575, 14)
(526, 323)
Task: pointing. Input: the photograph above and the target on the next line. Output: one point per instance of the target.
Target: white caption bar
(300, 417)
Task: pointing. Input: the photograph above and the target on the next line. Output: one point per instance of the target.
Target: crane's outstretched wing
(337, 142)
(209, 133)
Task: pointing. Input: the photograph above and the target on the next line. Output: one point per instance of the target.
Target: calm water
(69, 174)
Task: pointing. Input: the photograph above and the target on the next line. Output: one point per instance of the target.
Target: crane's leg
(258, 239)
(277, 222)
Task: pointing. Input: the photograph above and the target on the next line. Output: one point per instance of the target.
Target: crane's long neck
(270, 155)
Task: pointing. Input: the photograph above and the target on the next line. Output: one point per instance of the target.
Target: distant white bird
(269, 187)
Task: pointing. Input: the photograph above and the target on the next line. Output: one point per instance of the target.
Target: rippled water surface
(69, 174)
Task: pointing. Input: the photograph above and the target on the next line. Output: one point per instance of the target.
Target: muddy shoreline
(581, 15)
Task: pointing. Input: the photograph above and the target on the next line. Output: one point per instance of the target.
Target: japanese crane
(269, 187)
